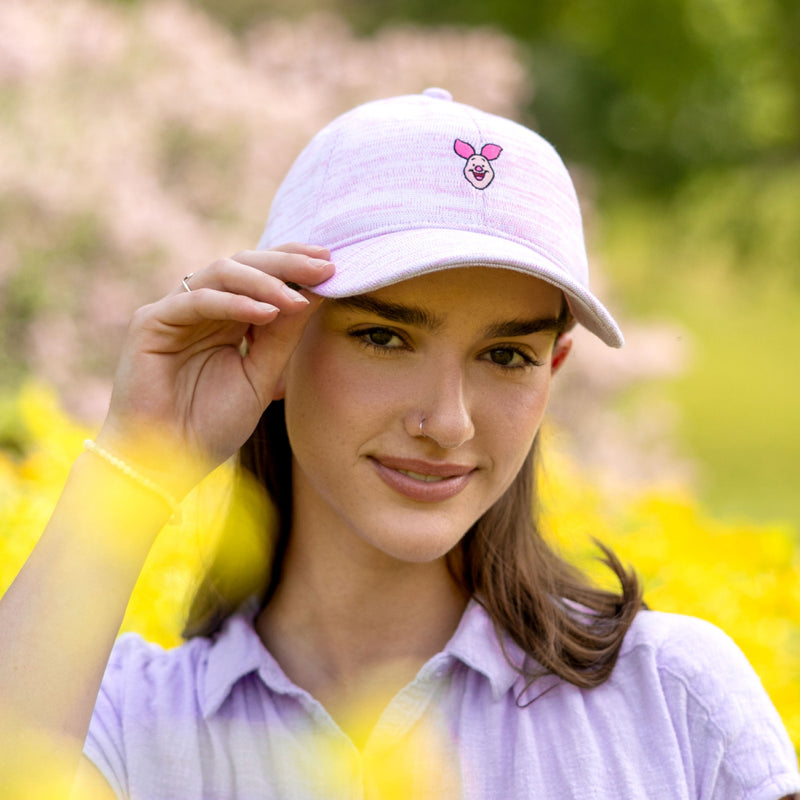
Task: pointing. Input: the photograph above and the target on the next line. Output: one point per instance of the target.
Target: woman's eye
(510, 357)
(381, 338)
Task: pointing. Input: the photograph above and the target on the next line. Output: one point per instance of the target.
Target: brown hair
(548, 607)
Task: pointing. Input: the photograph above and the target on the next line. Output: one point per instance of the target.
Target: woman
(416, 637)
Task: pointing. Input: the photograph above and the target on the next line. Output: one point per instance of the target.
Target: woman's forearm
(60, 617)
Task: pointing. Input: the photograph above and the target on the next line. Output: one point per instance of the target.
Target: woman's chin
(418, 546)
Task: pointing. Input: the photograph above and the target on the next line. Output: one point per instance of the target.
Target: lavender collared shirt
(682, 716)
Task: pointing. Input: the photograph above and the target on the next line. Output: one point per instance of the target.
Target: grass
(738, 397)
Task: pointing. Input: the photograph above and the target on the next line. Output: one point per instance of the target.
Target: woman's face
(469, 351)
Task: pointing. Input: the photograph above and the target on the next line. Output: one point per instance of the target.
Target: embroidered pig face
(478, 171)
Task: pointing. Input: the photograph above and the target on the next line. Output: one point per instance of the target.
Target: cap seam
(478, 145)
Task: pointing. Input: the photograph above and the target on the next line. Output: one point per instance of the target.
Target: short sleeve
(734, 741)
(105, 743)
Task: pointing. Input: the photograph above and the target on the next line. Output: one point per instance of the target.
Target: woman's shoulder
(142, 676)
(137, 662)
(685, 647)
(156, 703)
(687, 653)
(676, 637)
(696, 669)
(133, 653)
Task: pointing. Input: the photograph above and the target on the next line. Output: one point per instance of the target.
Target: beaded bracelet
(133, 474)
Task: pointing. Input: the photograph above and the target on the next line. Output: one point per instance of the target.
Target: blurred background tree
(644, 93)
(680, 118)
(686, 116)
(141, 139)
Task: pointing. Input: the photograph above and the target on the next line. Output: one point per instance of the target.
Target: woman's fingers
(297, 263)
(182, 369)
(250, 287)
(259, 273)
(240, 279)
(209, 305)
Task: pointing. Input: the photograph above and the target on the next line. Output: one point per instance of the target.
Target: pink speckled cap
(401, 187)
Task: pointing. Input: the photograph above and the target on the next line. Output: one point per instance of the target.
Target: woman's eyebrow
(523, 327)
(422, 318)
(396, 312)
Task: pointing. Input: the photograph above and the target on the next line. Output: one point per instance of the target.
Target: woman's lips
(426, 481)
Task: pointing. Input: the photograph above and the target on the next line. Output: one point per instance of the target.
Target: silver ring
(421, 423)
(186, 285)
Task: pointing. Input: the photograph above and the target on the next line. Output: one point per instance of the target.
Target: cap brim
(393, 257)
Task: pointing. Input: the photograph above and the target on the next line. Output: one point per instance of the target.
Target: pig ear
(491, 151)
(463, 149)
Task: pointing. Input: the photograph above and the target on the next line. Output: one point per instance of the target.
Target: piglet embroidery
(478, 171)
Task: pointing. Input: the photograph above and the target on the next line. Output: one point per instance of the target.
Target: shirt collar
(237, 651)
(478, 644)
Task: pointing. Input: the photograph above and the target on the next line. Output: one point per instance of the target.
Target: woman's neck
(354, 631)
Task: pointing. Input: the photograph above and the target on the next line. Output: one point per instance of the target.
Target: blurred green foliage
(722, 259)
(645, 92)
(682, 116)
(687, 115)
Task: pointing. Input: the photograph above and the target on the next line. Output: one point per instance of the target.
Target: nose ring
(421, 423)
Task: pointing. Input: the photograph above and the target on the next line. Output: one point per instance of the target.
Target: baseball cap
(404, 186)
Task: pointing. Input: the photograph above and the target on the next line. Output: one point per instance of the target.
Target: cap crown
(407, 185)
(392, 165)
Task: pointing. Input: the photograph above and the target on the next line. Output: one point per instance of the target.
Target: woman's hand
(185, 394)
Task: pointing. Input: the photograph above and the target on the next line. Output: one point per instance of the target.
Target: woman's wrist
(135, 476)
(158, 461)
(104, 513)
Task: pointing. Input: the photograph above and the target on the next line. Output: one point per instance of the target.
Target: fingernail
(317, 248)
(318, 263)
(293, 295)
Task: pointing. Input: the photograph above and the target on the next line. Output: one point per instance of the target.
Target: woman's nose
(441, 411)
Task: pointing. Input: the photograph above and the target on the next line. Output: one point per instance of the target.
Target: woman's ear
(560, 352)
